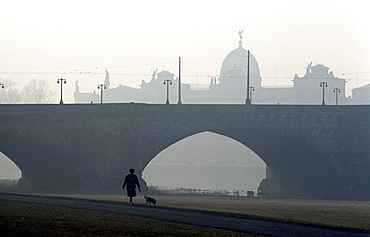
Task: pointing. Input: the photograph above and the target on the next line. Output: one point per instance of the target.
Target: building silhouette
(230, 87)
(361, 95)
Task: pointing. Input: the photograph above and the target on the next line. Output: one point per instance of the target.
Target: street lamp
(61, 81)
(101, 87)
(247, 100)
(250, 93)
(2, 86)
(168, 83)
(336, 91)
(323, 85)
(179, 102)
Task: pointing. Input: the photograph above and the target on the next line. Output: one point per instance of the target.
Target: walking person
(130, 182)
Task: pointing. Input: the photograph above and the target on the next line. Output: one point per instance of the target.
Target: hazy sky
(79, 40)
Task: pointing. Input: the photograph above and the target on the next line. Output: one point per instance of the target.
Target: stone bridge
(316, 151)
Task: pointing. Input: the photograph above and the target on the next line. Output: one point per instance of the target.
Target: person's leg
(131, 201)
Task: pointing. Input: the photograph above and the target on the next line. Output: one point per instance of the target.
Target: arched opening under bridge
(9, 173)
(206, 162)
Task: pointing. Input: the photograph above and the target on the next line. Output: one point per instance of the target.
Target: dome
(236, 63)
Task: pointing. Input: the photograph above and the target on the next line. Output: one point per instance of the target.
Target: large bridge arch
(209, 157)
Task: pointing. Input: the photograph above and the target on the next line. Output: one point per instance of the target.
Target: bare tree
(37, 91)
(9, 94)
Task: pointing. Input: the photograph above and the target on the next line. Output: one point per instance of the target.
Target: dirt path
(216, 220)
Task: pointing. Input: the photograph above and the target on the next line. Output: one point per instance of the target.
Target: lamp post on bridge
(168, 83)
(1, 86)
(61, 81)
(251, 88)
(336, 91)
(323, 85)
(101, 87)
(179, 102)
(248, 99)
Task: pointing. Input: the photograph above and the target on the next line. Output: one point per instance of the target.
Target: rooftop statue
(308, 68)
(240, 34)
(154, 73)
(77, 87)
(106, 82)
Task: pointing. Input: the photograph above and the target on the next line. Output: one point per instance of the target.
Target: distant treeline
(162, 190)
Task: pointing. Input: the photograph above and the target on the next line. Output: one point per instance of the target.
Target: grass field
(20, 219)
(23, 219)
(342, 214)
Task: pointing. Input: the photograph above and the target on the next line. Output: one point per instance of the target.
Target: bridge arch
(216, 161)
(9, 170)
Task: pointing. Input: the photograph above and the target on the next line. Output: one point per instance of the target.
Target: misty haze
(293, 87)
(206, 161)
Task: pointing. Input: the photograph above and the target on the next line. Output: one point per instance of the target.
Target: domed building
(233, 77)
(235, 67)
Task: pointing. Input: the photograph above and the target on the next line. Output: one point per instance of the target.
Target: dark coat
(131, 181)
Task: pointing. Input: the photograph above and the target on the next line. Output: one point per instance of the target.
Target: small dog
(150, 200)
